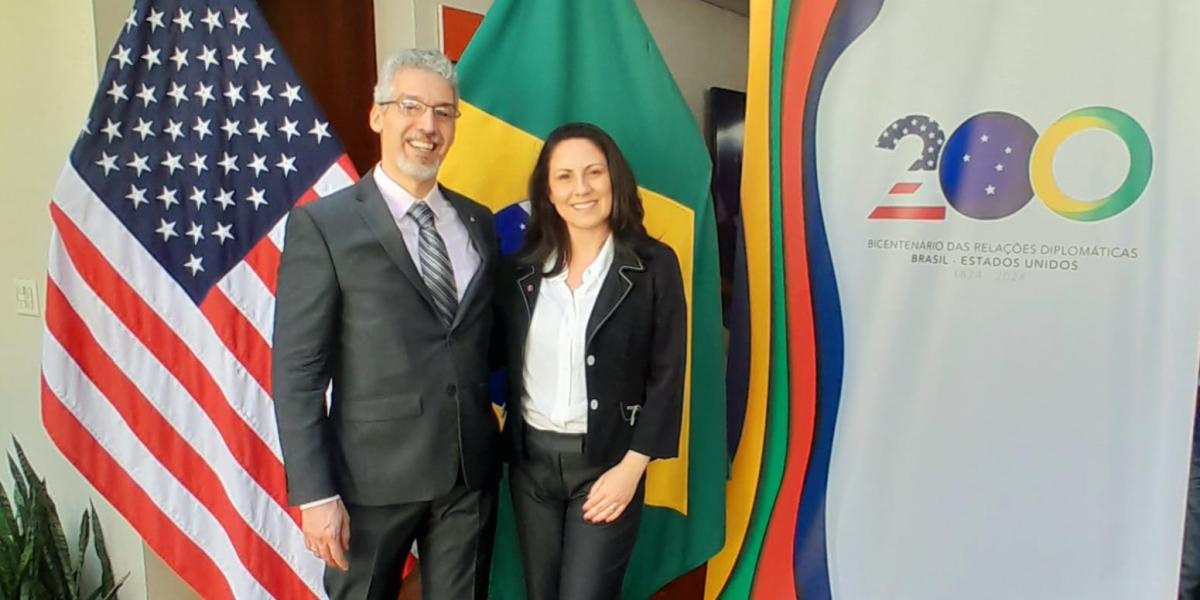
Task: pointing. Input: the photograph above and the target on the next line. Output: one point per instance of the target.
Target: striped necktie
(435, 264)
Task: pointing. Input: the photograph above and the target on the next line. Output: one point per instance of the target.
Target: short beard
(417, 171)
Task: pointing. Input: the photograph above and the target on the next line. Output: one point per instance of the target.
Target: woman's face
(580, 185)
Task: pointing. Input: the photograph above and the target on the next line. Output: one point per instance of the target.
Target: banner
(990, 246)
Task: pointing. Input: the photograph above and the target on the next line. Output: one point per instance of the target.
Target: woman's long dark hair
(547, 235)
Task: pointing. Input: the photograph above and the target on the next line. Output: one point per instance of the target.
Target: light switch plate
(27, 298)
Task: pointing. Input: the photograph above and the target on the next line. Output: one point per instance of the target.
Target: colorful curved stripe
(775, 451)
(741, 489)
(848, 21)
(806, 29)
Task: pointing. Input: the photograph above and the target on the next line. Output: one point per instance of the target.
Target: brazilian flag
(532, 66)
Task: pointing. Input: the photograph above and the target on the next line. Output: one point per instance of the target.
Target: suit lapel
(374, 211)
(613, 291)
(475, 231)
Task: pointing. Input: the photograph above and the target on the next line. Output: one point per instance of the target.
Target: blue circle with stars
(985, 166)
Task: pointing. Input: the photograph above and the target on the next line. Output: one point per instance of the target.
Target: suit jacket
(409, 400)
(635, 353)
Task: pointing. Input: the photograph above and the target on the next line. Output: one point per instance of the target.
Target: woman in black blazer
(596, 333)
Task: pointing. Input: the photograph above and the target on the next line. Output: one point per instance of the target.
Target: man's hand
(327, 532)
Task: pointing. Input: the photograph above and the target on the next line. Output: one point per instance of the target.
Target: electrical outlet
(27, 298)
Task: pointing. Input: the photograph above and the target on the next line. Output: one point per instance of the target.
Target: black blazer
(410, 402)
(635, 353)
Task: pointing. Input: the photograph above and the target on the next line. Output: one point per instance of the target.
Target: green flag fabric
(532, 66)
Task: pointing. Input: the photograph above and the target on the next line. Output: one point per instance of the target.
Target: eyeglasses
(413, 108)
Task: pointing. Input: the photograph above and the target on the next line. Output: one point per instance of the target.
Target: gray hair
(413, 58)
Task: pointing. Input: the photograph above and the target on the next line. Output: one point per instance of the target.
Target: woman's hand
(613, 490)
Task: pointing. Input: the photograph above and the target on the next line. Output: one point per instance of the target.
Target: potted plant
(35, 560)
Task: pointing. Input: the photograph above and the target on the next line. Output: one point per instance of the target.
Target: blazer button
(595, 404)
(529, 288)
(591, 359)
(451, 390)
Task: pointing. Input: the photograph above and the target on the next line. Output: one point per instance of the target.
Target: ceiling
(741, 7)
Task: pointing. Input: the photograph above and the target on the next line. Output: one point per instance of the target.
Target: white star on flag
(151, 57)
(179, 57)
(262, 92)
(108, 163)
(174, 129)
(320, 130)
(237, 56)
(291, 92)
(212, 19)
(155, 20)
(259, 164)
(121, 55)
(195, 232)
(137, 195)
(193, 263)
(264, 57)
(143, 128)
(167, 196)
(183, 20)
(260, 130)
(166, 229)
(239, 20)
(286, 163)
(112, 130)
(208, 56)
(256, 197)
(222, 232)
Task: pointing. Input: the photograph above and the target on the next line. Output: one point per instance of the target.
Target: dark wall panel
(332, 45)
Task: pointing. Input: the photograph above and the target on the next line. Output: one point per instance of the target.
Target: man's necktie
(435, 264)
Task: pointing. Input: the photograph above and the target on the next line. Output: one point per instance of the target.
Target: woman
(596, 332)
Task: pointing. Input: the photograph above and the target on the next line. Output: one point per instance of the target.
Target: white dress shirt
(555, 397)
(463, 256)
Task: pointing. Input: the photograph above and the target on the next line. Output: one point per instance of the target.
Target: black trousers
(564, 556)
(454, 537)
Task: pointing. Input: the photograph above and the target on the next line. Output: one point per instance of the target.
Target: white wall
(703, 45)
(49, 56)
(48, 62)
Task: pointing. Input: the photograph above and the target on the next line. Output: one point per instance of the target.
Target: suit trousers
(564, 556)
(454, 535)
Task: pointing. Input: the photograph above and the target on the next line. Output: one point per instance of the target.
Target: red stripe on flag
(308, 196)
(348, 166)
(247, 447)
(263, 259)
(113, 482)
(239, 335)
(904, 188)
(909, 213)
(164, 442)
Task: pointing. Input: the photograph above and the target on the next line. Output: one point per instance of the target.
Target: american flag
(168, 227)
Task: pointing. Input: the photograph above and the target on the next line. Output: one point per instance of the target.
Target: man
(385, 288)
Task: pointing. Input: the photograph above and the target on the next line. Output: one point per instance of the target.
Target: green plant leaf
(21, 495)
(11, 545)
(54, 568)
(101, 594)
(106, 571)
(85, 529)
(27, 571)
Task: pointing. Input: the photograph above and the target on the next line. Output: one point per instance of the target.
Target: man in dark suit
(385, 290)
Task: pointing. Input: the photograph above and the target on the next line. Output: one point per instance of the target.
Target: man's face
(414, 138)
